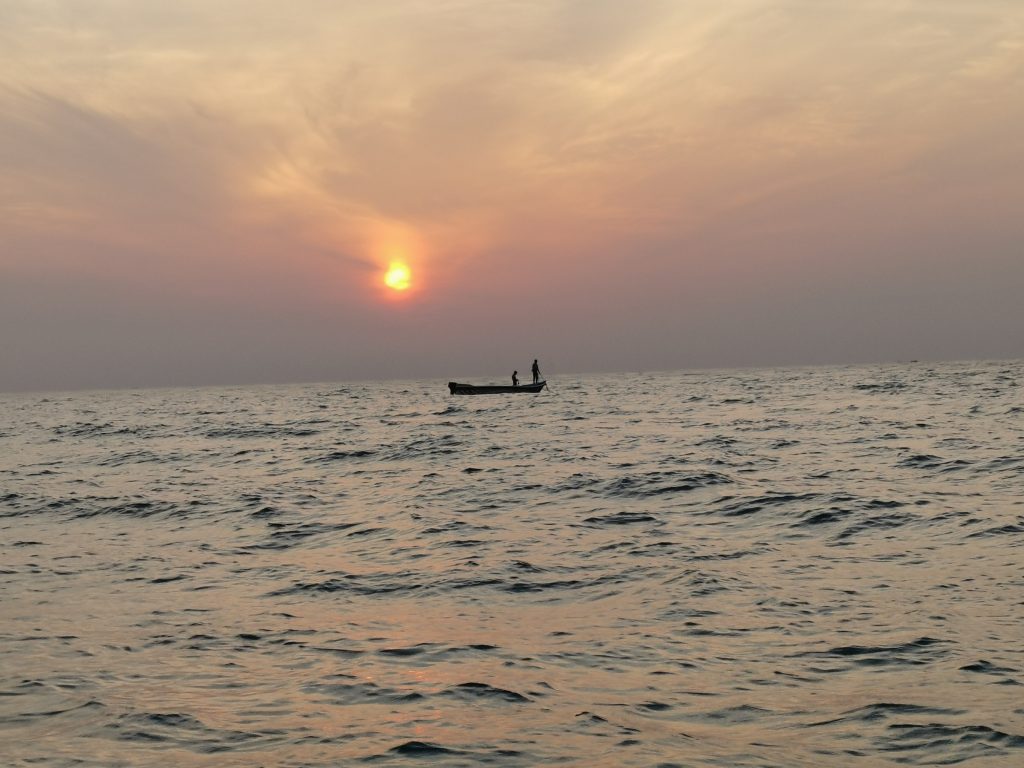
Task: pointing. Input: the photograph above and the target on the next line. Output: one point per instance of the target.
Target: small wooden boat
(494, 389)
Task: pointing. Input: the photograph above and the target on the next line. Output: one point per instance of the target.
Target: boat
(495, 389)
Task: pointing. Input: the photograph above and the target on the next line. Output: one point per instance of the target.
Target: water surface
(796, 567)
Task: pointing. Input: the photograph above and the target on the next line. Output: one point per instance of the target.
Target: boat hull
(495, 389)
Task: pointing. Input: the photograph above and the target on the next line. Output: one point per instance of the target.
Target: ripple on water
(761, 568)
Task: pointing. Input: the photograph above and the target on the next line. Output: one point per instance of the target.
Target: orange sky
(208, 192)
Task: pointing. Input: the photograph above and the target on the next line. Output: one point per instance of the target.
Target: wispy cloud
(194, 147)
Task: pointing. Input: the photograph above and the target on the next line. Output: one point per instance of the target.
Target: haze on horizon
(211, 192)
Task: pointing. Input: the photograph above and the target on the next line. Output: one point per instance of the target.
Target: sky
(204, 192)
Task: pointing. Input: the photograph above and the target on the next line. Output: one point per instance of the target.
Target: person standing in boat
(536, 371)
(515, 378)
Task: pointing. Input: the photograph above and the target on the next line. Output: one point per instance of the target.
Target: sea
(744, 568)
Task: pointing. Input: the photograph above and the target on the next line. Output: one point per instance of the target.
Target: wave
(663, 482)
(921, 651)
(384, 575)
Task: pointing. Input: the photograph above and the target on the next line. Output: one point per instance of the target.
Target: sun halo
(398, 277)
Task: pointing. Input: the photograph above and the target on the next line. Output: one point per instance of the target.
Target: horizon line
(631, 372)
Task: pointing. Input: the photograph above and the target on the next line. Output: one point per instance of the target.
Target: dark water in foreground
(766, 568)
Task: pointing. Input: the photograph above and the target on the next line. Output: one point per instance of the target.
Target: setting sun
(398, 277)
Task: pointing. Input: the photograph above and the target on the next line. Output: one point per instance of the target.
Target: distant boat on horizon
(495, 389)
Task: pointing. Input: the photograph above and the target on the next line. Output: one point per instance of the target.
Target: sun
(398, 277)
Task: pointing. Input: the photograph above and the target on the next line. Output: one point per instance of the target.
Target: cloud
(638, 168)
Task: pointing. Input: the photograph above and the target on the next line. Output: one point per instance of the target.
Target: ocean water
(791, 567)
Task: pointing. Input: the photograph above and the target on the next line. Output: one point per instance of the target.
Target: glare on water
(791, 567)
